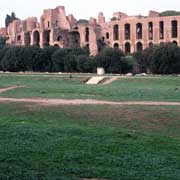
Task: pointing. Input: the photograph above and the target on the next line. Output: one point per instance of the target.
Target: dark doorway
(46, 38)
(74, 39)
(27, 39)
(36, 38)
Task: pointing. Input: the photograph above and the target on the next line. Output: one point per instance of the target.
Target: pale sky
(83, 9)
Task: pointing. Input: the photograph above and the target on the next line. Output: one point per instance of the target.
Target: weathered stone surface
(129, 33)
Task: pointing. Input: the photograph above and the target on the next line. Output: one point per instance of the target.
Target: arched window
(116, 32)
(36, 38)
(139, 47)
(56, 45)
(150, 30)
(175, 42)
(87, 35)
(19, 38)
(59, 38)
(107, 35)
(174, 29)
(161, 30)
(116, 45)
(76, 28)
(74, 39)
(127, 47)
(127, 32)
(27, 39)
(139, 31)
(151, 45)
(46, 38)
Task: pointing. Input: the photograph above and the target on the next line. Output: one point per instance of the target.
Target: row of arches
(138, 46)
(36, 38)
(127, 47)
(74, 38)
(139, 30)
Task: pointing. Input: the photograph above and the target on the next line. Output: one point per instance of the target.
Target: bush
(13, 60)
(143, 60)
(165, 59)
(2, 54)
(112, 60)
(44, 62)
(162, 59)
(131, 65)
(86, 64)
(65, 60)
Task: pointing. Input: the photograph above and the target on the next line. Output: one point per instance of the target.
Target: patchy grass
(61, 86)
(76, 142)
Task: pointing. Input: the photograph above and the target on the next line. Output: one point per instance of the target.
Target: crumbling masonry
(129, 33)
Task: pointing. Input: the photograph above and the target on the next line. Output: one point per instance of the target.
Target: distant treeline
(161, 59)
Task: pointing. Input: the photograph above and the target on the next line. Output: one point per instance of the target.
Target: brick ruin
(129, 33)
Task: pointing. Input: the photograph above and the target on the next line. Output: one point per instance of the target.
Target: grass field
(90, 141)
(61, 86)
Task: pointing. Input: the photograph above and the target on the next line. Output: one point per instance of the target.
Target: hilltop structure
(129, 33)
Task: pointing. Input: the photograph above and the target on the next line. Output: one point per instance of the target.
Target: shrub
(86, 64)
(13, 60)
(112, 60)
(165, 59)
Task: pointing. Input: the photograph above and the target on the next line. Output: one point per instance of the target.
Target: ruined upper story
(56, 18)
(57, 28)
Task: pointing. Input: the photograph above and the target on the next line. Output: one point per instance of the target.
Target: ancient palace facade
(129, 33)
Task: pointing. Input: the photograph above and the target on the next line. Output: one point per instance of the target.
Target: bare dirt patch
(51, 102)
(9, 88)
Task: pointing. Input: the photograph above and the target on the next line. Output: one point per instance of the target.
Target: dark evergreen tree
(10, 18)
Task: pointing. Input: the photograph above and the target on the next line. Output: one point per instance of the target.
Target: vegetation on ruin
(170, 13)
(10, 18)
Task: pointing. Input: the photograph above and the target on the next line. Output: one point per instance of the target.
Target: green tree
(3, 42)
(112, 60)
(165, 59)
(13, 60)
(86, 64)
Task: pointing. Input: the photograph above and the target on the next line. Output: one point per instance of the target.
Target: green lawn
(74, 142)
(61, 86)
(90, 141)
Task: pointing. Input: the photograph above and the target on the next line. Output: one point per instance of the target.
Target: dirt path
(51, 102)
(8, 88)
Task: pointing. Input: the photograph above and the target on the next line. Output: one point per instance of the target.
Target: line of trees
(161, 59)
(53, 59)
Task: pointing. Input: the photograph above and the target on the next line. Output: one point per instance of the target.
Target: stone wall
(129, 33)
